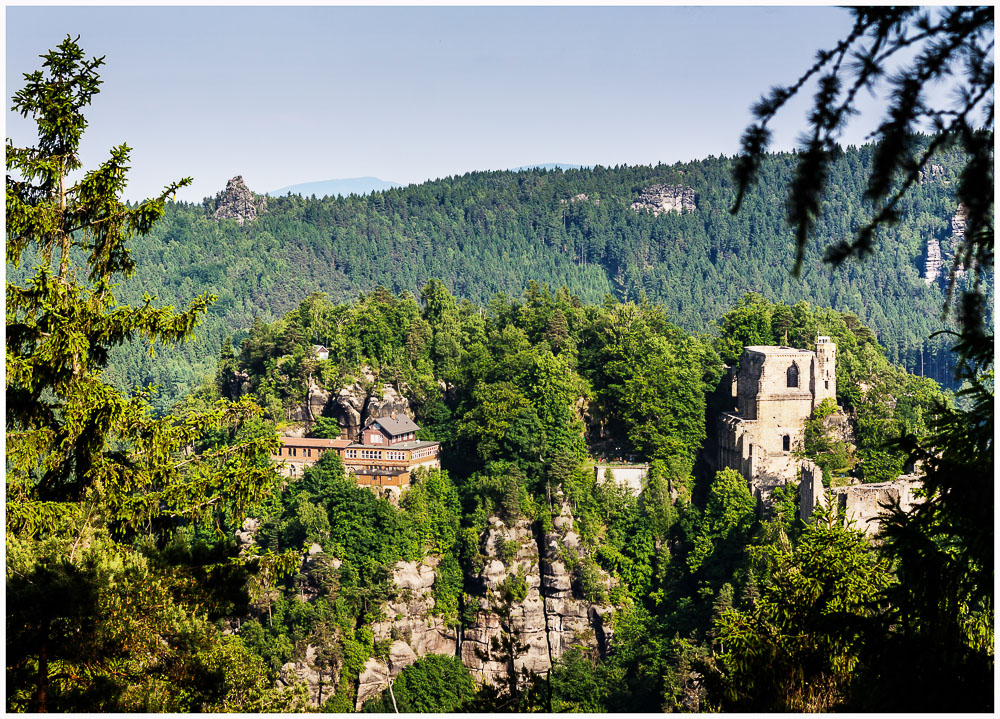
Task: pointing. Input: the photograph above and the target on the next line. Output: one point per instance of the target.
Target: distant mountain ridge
(332, 188)
(662, 232)
(367, 185)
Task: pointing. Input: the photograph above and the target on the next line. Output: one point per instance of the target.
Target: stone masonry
(860, 504)
(775, 391)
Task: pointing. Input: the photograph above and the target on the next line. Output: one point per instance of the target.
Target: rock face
(933, 173)
(238, 203)
(958, 225)
(933, 262)
(509, 551)
(353, 405)
(665, 198)
(569, 619)
(553, 616)
(409, 623)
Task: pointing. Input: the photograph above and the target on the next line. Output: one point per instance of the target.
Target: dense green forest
(489, 232)
(156, 560)
(692, 559)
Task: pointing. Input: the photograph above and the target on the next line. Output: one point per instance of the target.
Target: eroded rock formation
(665, 198)
(933, 262)
(238, 203)
(552, 617)
(353, 405)
(414, 630)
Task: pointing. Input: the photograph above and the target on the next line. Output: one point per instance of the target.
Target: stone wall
(860, 504)
(760, 438)
(628, 476)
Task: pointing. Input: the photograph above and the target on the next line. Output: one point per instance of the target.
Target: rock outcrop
(933, 173)
(665, 198)
(353, 405)
(238, 203)
(415, 632)
(933, 262)
(509, 551)
(958, 226)
(308, 670)
(569, 619)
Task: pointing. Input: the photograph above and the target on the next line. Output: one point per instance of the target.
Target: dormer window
(792, 376)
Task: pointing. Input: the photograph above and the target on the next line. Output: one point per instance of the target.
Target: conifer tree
(96, 483)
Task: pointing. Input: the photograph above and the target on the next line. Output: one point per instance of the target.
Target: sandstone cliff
(352, 405)
(238, 203)
(414, 631)
(933, 262)
(665, 198)
(552, 617)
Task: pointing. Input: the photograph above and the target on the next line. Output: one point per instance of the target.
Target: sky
(284, 95)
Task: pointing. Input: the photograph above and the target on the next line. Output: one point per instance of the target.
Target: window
(309, 453)
(786, 443)
(375, 438)
(351, 454)
(827, 383)
(792, 376)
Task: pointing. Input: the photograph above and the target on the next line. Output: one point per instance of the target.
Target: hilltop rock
(238, 203)
(665, 198)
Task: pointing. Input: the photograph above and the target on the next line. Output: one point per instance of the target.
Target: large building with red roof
(386, 453)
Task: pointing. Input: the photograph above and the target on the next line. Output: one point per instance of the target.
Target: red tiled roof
(314, 442)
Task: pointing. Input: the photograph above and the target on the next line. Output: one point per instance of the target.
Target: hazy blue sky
(290, 95)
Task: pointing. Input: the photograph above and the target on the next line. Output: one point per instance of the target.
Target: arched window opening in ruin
(786, 443)
(793, 375)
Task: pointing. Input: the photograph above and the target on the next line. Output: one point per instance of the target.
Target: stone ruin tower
(826, 371)
(774, 392)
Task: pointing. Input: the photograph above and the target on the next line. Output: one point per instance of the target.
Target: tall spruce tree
(98, 617)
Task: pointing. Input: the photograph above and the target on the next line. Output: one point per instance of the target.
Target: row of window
(294, 452)
(353, 453)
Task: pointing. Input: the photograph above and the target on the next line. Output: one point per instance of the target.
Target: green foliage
(726, 523)
(830, 454)
(696, 264)
(106, 611)
(798, 646)
(888, 402)
(433, 683)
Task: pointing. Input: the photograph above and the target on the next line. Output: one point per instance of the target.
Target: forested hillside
(489, 232)
(518, 530)
(163, 561)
